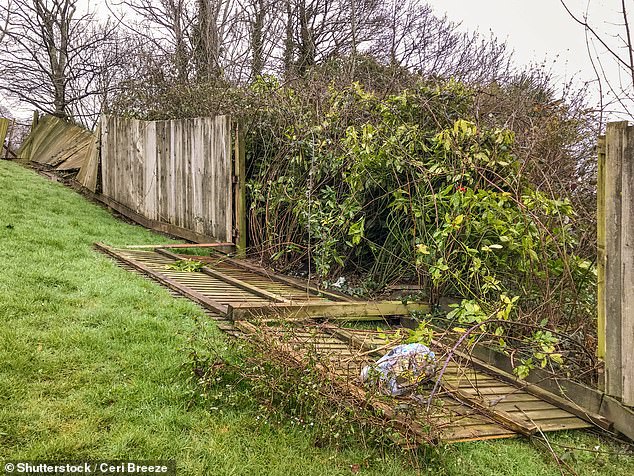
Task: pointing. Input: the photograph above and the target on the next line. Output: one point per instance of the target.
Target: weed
(187, 265)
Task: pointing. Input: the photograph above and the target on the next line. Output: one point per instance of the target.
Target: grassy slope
(91, 363)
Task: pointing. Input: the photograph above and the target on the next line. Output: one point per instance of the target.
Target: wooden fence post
(601, 249)
(615, 249)
(240, 193)
(4, 129)
(627, 267)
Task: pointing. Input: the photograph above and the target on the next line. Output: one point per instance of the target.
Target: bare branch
(55, 56)
(587, 26)
(629, 40)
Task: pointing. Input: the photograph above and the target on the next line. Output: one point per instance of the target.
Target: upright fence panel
(615, 236)
(4, 128)
(177, 172)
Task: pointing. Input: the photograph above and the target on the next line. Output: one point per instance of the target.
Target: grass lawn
(93, 365)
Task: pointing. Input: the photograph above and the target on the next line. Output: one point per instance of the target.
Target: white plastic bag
(401, 370)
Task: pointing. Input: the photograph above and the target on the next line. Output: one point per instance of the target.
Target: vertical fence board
(196, 177)
(150, 181)
(627, 268)
(615, 248)
(228, 188)
(106, 161)
(221, 173)
(211, 171)
(601, 236)
(615, 135)
(240, 193)
(87, 175)
(4, 128)
(162, 159)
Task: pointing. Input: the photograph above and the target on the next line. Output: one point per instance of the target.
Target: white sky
(534, 28)
(539, 30)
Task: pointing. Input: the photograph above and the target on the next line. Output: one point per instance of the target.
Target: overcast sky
(539, 30)
(542, 29)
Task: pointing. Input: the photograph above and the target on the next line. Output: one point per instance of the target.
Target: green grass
(93, 364)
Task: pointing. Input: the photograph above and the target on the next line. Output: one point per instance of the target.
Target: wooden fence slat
(615, 146)
(240, 194)
(4, 128)
(615, 253)
(87, 175)
(196, 177)
(601, 244)
(627, 267)
(227, 186)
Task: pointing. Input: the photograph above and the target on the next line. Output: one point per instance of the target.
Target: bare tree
(207, 34)
(257, 37)
(320, 29)
(262, 20)
(4, 21)
(413, 36)
(194, 40)
(612, 41)
(161, 27)
(53, 55)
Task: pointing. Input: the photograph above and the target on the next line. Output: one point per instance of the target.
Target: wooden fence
(178, 172)
(615, 248)
(57, 143)
(177, 177)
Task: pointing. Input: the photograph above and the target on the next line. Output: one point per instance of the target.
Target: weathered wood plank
(197, 164)
(106, 161)
(88, 174)
(601, 246)
(4, 128)
(612, 189)
(180, 245)
(337, 311)
(294, 282)
(627, 268)
(240, 193)
(149, 200)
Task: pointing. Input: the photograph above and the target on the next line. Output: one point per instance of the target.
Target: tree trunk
(257, 39)
(306, 46)
(289, 42)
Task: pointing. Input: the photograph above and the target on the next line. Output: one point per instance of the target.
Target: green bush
(411, 189)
